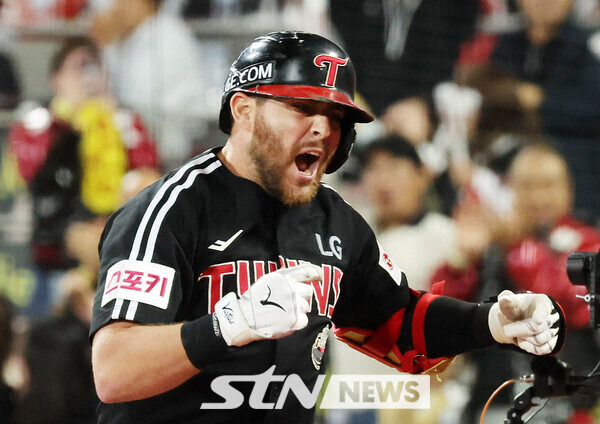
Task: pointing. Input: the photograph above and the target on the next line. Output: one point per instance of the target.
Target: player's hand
(532, 322)
(273, 307)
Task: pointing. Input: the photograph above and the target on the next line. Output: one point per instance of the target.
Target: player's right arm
(133, 361)
(146, 272)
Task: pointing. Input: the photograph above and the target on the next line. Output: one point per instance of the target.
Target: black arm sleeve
(453, 326)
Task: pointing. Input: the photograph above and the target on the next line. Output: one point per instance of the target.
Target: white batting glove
(530, 321)
(273, 307)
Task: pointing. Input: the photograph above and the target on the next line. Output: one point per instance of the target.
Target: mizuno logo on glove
(266, 301)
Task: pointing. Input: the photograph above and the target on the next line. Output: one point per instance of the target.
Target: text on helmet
(253, 73)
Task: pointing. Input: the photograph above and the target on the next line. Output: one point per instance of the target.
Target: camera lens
(578, 267)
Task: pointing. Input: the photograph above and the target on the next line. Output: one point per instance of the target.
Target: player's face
(293, 141)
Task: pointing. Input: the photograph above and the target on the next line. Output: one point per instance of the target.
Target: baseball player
(240, 260)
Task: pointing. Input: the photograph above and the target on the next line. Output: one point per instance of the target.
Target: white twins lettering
(215, 276)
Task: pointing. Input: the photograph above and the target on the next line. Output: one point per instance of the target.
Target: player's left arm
(532, 322)
(414, 331)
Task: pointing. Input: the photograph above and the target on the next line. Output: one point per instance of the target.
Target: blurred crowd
(481, 168)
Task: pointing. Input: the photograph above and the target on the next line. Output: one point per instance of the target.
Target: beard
(271, 162)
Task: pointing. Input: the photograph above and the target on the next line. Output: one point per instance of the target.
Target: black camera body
(583, 268)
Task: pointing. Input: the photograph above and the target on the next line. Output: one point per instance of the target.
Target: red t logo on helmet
(332, 68)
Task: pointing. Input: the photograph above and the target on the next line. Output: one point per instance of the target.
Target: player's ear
(242, 109)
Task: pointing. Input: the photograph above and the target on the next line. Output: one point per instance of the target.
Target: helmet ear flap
(225, 118)
(343, 151)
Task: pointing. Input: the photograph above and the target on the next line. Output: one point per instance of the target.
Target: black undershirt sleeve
(453, 326)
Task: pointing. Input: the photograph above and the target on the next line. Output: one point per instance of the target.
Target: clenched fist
(273, 307)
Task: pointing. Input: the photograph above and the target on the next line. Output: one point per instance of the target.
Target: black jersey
(201, 232)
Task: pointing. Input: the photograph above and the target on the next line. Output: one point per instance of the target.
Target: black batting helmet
(297, 65)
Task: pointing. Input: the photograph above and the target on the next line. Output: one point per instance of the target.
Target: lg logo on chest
(335, 246)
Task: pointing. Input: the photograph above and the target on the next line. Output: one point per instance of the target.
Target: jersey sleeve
(372, 289)
(146, 264)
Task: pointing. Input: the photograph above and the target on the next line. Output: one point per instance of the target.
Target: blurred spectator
(551, 67)
(73, 156)
(525, 251)
(409, 118)
(60, 387)
(469, 149)
(442, 141)
(7, 394)
(82, 238)
(159, 68)
(495, 17)
(58, 353)
(9, 85)
(402, 48)
(456, 148)
(536, 239)
(135, 181)
(195, 9)
(396, 181)
(41, 12)
(10, 89)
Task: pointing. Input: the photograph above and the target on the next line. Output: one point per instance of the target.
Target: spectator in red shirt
(528, 250)
(73, 155)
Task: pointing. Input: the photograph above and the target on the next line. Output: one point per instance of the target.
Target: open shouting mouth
(308, 162)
